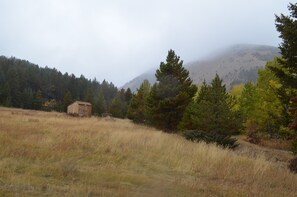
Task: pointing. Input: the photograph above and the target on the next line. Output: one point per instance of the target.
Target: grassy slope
(55, 155)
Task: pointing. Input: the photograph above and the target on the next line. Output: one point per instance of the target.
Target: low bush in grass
(294, 146)
(221, 140)
(293, 165)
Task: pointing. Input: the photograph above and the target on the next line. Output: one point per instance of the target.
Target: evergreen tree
(14, 84)
(293, 112)
(287, 72)
(37, 100)
(4, 94)
(224, 119)
(171, 94)
(286, 69)
(137, 107)
(203, 92)
(100, 104)
(89, 96)
(27, 98)
(128, 95)
(187, 122)
(119, 105)
(67, 100)
(212, 111)
(287, 26)
(193, 110)
(109, 91)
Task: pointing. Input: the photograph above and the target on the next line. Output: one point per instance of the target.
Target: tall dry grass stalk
(56, 155)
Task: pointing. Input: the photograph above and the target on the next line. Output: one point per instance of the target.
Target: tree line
(26, 85)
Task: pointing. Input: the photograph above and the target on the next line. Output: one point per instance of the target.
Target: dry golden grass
(55, 155)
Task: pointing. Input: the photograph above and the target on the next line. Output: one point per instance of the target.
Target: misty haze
(118, 41)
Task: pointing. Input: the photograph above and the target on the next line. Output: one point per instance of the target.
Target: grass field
(51, 154)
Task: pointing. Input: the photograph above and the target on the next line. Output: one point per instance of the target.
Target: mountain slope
(137, 81)
(235, 64)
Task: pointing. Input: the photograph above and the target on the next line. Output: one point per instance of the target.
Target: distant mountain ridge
(236, 64)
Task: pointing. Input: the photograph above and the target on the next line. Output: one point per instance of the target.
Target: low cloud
(118, 40)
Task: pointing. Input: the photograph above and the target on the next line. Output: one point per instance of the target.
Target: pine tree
(27, 97)
(287, 26)
(193, 110)
(286, 71)
(226, 119)
(137, 107)
(100, 104)
(89, 96)
(212, 111)
(293, 112)
(14, 84)
(128, 95)
(4, 93)
(109, 91)
(171, 94)
(37, 100)
(119, 105)
(187, 122)
(67, 100)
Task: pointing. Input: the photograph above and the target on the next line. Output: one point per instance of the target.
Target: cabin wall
(79, 109)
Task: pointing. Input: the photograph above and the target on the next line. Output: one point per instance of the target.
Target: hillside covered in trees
(26, 85)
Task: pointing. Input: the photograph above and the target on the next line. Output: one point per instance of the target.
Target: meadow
(52, 154)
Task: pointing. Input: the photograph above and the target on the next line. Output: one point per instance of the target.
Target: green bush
(221, 140)
(294, 147)
(293, 165)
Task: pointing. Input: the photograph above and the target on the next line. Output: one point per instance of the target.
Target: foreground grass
(56, 155)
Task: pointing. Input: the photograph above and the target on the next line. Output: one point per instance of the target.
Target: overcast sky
(117, 40)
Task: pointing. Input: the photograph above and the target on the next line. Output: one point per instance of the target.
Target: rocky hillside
(235, 65)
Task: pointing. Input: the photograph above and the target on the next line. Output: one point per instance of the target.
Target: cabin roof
(82, 103)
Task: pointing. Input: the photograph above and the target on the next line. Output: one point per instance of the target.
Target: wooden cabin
(80, 108)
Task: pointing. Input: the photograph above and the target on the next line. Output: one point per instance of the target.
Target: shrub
(254, 138)
(286, 133)
(221, 140)
(293, 165)
(252, 131)
(294, 146)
